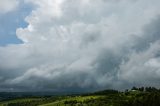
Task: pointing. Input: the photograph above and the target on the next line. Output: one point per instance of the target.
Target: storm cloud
(84, 44)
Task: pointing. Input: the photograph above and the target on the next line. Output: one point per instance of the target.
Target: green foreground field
(51, 101)
(136, 97)
(78, 100)
(46, 101)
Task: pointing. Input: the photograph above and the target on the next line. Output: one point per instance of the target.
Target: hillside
(136, 97)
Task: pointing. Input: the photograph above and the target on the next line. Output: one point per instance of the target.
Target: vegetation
(148, 96)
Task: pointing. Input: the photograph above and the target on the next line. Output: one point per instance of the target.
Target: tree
(134, 88)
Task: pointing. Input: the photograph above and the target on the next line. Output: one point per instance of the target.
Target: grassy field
(73, 100)
(51, 101)
(20, 101)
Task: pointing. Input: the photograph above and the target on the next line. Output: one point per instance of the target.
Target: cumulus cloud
(8, 5)
(84, 44)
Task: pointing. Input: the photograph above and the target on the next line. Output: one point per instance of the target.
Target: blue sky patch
(9, 22)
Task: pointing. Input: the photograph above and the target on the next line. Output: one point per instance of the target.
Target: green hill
(136, 97)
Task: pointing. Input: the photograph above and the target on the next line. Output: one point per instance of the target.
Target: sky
(11, 19)
(79, 45)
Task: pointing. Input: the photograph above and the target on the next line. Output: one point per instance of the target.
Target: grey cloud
(8, 6)
(150, 35)
(142, 68)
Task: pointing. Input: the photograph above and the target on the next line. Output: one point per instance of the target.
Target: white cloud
(8, 5)
(80, 44)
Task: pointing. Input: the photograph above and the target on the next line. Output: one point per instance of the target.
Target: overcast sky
(79, 45)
